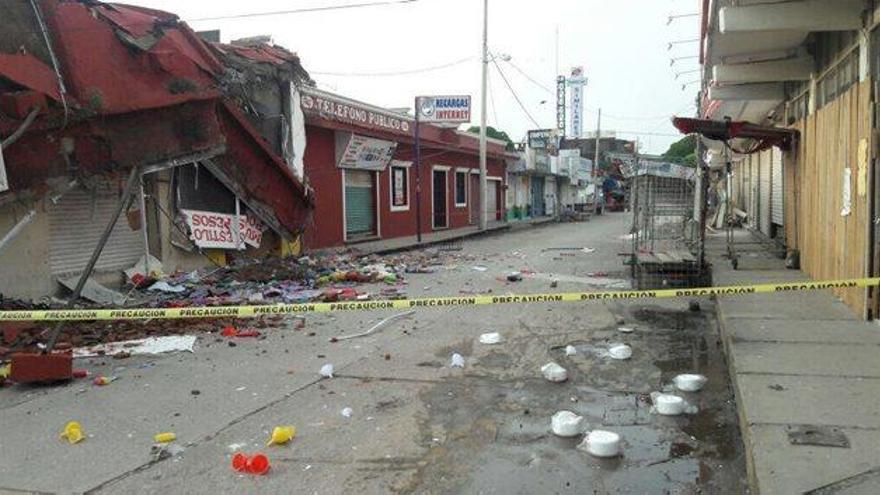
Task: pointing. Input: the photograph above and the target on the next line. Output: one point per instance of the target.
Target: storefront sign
(4, 185)
(364, 153)
(543, 139)
(316, 102)
(214, 230)
(560, 104)
(454, 109)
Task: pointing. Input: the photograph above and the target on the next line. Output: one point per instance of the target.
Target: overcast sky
(622, 45)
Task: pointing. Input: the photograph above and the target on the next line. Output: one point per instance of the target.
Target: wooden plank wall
(831, 246)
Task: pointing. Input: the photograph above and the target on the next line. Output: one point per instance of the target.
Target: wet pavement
(419, 425)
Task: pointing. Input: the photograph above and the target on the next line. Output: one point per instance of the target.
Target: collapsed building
(122, 116)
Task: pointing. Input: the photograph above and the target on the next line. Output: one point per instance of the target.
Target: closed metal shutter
(778, 205)
(491, 200)
(360, 212)
(765, 190)
(755, 193)
(76, 223)
(537, 196)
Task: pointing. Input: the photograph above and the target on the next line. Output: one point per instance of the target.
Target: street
(417, 425)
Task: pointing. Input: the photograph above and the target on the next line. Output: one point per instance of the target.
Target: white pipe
(17, 228)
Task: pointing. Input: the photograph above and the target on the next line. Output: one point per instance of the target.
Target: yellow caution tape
(425, 302)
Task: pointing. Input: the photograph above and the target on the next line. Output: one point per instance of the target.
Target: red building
(359, 161)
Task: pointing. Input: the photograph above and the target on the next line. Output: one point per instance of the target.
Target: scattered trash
(457, 361)
(281, 435)
(514, 277)
(104, 380)
(554, 373)
(346, 412)
(601, 443)
(668, 405)
(164, 437)
(570, 350)
(566, 424)
(327, 371)
(163, 286)
(620, 351)
(689, 382)
(73, 432)
(694, 305)
(149, 345)
(588, 250)
(480, 268)
(626, 329)
(231, 331)
(255, 464)
(554, 283)
(491, 338)
(375, 327)
(166, 451)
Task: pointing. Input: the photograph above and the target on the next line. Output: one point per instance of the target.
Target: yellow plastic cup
(282, 435)
(164, 437)
(73, 432)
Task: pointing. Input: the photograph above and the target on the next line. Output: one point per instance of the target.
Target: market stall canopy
(764, 137)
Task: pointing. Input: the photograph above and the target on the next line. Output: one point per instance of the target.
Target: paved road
(418, 425)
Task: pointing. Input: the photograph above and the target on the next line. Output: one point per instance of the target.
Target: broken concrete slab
(94, 291)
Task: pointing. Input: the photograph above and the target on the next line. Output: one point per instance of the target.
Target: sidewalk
(384, 246)
(798, 359)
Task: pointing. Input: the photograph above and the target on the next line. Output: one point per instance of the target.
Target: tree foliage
(683, 151)
(495, 134)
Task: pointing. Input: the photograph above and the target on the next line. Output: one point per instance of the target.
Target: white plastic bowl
(669, 405)
(566, 424)
(601, 443)
(554, 372)
(620, 351)
(689, 382)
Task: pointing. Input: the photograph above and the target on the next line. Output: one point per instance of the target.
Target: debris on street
(375, 327)
(457, 361)
(252, 464)
(164, 437)
(73, 432)
(327, 371)
(280, 435)
(491, 338)
(620, 351)
(688, 382)
(566, 424)
(149, 345)
(601, 443)
(554, 373)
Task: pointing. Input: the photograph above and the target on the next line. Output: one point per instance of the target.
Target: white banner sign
(4, 184)
(444, 109)
(366, 153)
(214, 230)
(577, 82)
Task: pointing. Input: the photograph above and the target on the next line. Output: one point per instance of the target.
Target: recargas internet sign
(445, 109)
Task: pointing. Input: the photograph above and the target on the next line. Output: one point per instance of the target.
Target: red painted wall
(326, 180)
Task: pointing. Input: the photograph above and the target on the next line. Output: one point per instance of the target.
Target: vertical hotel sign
(577, 81)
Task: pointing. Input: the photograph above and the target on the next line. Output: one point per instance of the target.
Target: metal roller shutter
(360, 212)
(491, 200)
(778, 205)
(764, 162)
(76, 223)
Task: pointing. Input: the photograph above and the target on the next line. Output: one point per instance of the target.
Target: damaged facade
(93, 94)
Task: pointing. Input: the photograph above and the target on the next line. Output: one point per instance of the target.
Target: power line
(303, 10)
(532, 80)
(394, 73)
(515, 96)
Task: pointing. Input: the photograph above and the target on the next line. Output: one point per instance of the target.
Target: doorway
(439, 199)
(474, 199)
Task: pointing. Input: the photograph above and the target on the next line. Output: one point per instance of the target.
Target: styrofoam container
(688, 382)
(566, 424)
(626, 329)
(620, 351)
(669, 405)
(491, 338)
(601, 443)
(554, 372)
(570, 350)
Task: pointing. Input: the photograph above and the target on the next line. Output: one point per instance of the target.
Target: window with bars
(838, 79)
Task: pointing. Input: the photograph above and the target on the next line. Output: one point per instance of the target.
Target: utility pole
(596, 162)
(484, 186)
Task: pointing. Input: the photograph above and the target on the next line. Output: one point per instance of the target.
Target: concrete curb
(745, 431)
